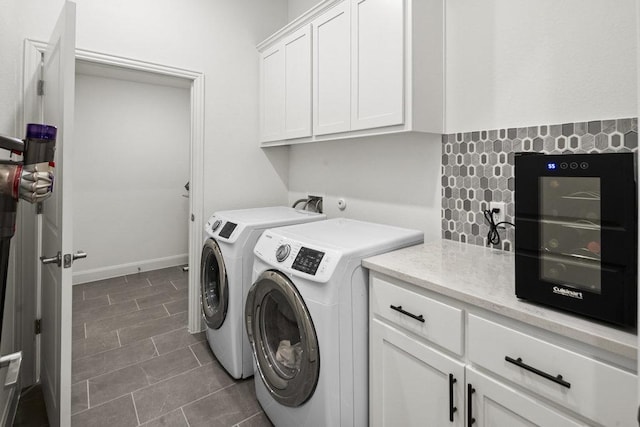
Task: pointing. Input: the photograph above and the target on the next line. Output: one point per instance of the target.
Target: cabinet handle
(470, 419)
(419, 318)
(452, 408)
(557, 379)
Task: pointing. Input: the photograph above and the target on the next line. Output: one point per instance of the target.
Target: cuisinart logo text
(567, 292)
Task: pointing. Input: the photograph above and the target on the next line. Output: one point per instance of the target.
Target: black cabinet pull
(557, 379)
(452, 408)
(419, 318)
(470, 419)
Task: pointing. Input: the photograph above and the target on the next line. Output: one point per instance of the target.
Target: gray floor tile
(124, 320)
(94, 291)
(117, 383)
(258, 420)
(77, 332)
(114, 281)
(172, 419)
(131, 294)
(80, 307)
(119, 412)
(163, 397)
(203, 352)
(225, 407)
(182, 283)
(161, 274)
(153, 327)
(177, 306)
(78, 294)
(157, 299)
(103, 312)
(101, 363)
(168, 365)
(79, 401)
(174, 340)
(97, 344)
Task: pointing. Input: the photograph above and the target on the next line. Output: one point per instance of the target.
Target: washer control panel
(308, 260)
(297, 258)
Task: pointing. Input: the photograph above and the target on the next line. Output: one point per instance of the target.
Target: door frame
(29, 248)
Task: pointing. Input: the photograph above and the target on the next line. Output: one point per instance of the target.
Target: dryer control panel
(297, 258)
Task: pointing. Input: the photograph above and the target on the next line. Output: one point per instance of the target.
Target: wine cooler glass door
(570, 232)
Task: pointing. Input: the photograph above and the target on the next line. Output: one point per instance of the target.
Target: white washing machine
(225, 277)
(307, 319)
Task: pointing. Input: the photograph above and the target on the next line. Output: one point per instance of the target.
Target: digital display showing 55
(552, 166)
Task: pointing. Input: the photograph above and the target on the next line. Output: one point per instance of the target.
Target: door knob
(79, 255)
(52, 260)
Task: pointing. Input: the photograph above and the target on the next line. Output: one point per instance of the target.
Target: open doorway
(29, 249)
(131, 163)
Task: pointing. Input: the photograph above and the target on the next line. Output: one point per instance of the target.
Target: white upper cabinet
(377, 68)
(377, 61)
(272, 94)
(285, 86)
(332, 71)
(297, 84)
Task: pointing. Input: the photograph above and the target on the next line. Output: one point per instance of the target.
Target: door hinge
(40, 87)
(39, 208)
(37, 326)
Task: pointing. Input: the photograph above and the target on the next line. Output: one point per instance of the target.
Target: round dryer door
(213, 285)
(283, 339)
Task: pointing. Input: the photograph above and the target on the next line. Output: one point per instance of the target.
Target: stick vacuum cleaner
(30, 179)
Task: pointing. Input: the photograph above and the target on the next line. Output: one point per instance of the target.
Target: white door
(59, 78)
(494, 404)
(410, 383)
(377, 61)
(272, 94)
(297, 84)
(331, 76)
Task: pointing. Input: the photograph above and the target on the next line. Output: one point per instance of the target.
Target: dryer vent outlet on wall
(315, 203)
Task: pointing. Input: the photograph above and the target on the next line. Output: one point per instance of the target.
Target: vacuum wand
(30, 179)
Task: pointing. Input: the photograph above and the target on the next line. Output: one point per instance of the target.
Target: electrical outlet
(315, 202)
(501, 215)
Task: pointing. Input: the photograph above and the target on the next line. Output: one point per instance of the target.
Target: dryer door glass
(213, 285)
(283, 338)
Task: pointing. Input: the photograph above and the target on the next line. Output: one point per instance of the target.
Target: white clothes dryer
(225, 277)
(306, 317)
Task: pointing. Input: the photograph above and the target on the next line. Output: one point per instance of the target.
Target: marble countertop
(484, 277)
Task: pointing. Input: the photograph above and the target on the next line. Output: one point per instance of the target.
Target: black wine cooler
(576, 233)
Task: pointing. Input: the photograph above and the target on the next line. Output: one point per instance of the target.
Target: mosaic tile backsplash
(477, 168)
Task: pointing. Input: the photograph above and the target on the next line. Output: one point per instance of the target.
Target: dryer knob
(283, 252)
(216, 224)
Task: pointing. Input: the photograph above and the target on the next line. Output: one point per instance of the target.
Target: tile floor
(135, 363)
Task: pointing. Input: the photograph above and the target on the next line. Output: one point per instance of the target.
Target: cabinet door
(297, 84)
(332, 76)
(272, 94)
(494, 404)
(410, 383)
(377, 60)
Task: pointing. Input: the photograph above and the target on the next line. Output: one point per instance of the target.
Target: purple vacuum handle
(40, 143)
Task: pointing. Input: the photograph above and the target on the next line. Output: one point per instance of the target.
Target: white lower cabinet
(491, 403)
(412, 384)
(418, 378)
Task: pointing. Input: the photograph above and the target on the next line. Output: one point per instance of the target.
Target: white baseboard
(130, 268)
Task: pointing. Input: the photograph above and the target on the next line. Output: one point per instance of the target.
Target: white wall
(387, 179)
(216, 37)
(515, 63)
(298, 7)
(131, 161)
